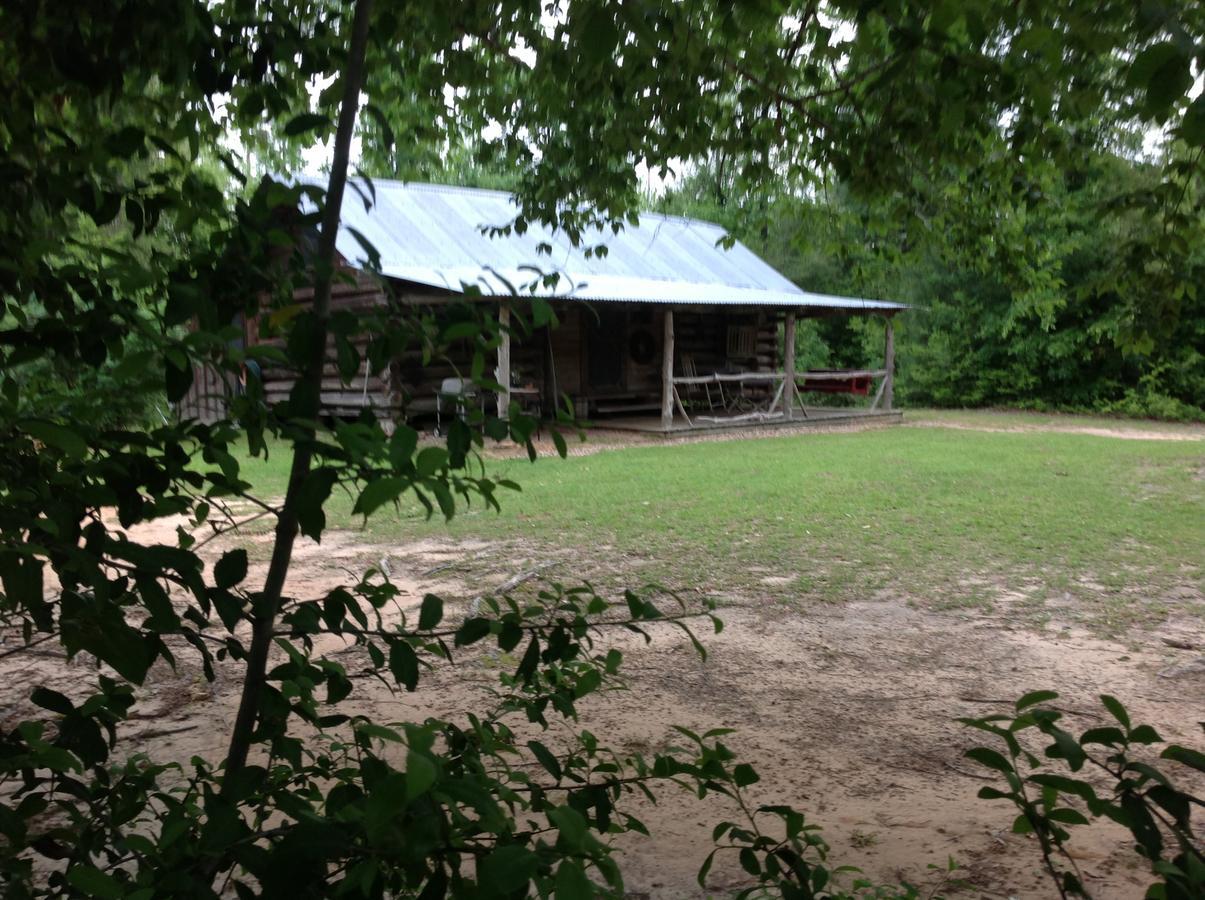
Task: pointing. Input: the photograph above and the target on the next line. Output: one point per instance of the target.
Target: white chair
(456, 391)
(692, 390)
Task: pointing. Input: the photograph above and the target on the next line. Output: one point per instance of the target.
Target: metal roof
(434, 235)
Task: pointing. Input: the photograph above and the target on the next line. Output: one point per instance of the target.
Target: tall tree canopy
(986, 331)
(130, 245)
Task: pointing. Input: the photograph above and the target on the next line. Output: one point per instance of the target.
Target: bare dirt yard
(847, 709)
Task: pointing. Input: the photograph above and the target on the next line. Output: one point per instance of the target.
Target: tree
(987, 331)
(117, 115)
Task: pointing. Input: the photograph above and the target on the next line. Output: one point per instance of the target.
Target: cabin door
(606, 346)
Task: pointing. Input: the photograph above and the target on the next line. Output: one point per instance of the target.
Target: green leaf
(52, 700)
(22, 578)
(1022, 825)
(1113, 705)
(531, 660)
(1186, 756)
(1164, 71)
(403, 663)
(94, 883)
(231, 569)
(430, 460)
(1145, 734)
(1113, 737)
(749, 861)
(177, 378)
(1035, 697)
(1064, 784)
(508, 870)
(547, 759)
(306, 122)
(571, 827)
(1067, 816)
(986, 756)
(571, 882)
(57, 436)
(1068, 748)
(991, 793)
(431, 613)
(420, 774)
(443, 497)
(311, 496)
(377, 493)
(1192, 126)
(744, 775)
(402, 445)
(382, 123)
(705, 869)
(472, 631)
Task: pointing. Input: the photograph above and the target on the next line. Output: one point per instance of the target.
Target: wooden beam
(889, 365)
(788, 364)
(502, 372)
(667, 371)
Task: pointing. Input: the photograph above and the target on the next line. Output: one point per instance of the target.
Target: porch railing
(777, 382)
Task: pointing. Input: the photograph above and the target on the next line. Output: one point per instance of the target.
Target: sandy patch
(1121, 432)
(847, 711)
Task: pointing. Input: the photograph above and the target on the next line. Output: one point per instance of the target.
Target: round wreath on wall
(642, 347)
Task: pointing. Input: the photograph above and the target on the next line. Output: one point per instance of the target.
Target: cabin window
(742, 341)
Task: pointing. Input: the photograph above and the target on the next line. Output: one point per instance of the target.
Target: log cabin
(673, 328)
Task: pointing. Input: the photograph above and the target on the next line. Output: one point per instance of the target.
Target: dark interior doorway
(606, 347)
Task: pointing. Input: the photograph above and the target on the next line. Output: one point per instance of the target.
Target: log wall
(379, 392)
(552, 361)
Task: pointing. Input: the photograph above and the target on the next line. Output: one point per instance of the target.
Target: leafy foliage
(138, 241)
(1068, 331)
(1136, 794)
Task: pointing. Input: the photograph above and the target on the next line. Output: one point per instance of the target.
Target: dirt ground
(847, 711)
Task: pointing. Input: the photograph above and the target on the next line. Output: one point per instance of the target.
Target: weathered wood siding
(554, 361)
(345, 400)
(206, 398)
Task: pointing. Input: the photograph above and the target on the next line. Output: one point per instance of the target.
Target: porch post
(788, 366)
(502, 372)
(667, 371)
(889, 365)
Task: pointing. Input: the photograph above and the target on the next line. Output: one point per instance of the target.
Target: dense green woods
(988, 329)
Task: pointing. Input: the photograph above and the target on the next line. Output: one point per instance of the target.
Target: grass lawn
(944, 518)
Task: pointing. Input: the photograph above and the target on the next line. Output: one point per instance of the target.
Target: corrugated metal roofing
(434, 235)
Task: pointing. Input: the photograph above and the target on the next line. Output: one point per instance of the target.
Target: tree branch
(287, 522)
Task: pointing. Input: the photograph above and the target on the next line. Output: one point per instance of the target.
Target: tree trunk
(267, 605)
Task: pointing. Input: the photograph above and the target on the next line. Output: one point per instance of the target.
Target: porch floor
(816, 416)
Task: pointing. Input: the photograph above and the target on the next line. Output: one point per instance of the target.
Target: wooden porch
(699, 368)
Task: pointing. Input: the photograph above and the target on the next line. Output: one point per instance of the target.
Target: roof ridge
(436, 187)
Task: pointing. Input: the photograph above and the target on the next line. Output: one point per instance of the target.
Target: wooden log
(667, 371)
(682, 408)
(889, 366)
(788, 364)
(878, 395)
(841, 374)
(342, 400)
(735, 377)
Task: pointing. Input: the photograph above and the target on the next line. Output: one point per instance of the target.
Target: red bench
(836, 381)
